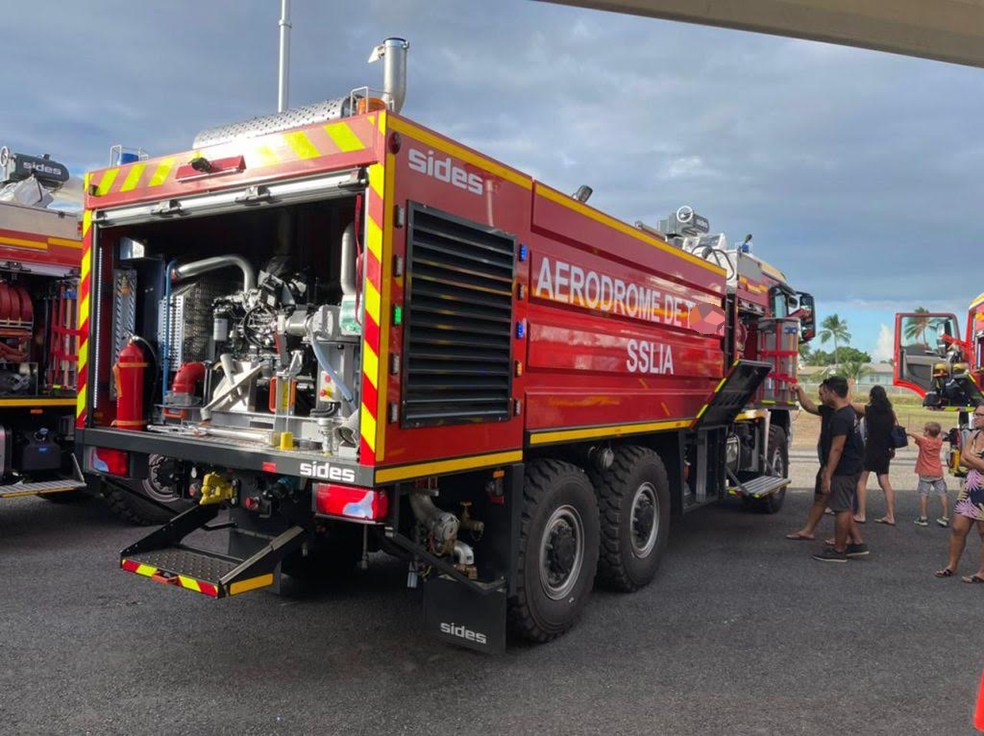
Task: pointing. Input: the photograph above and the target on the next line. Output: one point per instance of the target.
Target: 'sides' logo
(326, 471)
(444, 170)
(462, 632)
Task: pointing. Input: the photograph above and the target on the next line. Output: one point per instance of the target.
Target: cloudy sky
(858, 173)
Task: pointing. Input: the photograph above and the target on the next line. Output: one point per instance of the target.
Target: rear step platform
(161, 557)
(15, 490)
(761, 487)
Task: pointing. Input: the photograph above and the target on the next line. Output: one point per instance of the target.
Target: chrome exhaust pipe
(393, 52)
(197, 268)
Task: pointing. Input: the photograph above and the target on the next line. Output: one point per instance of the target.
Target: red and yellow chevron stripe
(372, 415)
(85, 285)
(183, 581)
(314, 142)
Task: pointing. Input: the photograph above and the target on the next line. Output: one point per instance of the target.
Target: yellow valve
(215, 489)
(286, 440)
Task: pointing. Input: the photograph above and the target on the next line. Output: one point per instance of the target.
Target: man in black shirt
(841, 454)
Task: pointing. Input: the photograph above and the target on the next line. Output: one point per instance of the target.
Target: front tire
(634, 502)
(558, 550)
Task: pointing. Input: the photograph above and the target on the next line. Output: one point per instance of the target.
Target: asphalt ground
(741, 633)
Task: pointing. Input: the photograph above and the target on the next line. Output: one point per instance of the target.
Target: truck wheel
(558, 550)
(128, 498)
(779, 459)
(634, 504)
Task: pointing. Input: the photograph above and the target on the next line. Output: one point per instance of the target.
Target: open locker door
(733, 394)
(919, 345)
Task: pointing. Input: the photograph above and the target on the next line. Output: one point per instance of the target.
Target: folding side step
(760, 487)
(60, 485)
(161, 557)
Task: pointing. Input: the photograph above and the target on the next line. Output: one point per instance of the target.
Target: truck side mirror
(807, 316)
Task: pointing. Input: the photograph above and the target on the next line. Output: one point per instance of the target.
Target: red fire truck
(372, 337)
(40, 264)
(947, 371)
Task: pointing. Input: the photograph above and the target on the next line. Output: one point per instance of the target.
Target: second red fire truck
(368, 336)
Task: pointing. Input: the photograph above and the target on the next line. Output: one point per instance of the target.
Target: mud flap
(460, 614)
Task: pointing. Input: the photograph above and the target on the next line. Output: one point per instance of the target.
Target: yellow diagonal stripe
(372, 302)
(132, 177)
(374, 239)
(84, 309)
(376, 179)
(87, 179)
(107, 181)
(382, 122)
(370, 366)
(189, 583)
(267, 156)
(86, 262)
(161, 172)
(146, 570)
(301, 145)
(80, 402)
(83, 354)
(368, 427)
(86, 222)
(344, 138)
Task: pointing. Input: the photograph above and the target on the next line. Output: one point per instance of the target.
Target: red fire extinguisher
(128, 372)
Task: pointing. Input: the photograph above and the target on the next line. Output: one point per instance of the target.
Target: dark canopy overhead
(946, 30)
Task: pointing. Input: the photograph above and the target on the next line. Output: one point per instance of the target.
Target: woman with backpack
(879, 420)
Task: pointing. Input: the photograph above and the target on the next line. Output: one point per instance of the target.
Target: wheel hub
(644, 521)
(561, 552)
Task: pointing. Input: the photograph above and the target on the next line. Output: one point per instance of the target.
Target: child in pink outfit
(930, 472)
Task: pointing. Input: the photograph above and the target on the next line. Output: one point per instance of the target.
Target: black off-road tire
(778, 454)
(557, 493)
(126, 500)
(636, 479)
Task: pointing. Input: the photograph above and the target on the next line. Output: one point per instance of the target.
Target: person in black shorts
(879, 419)
(841, 452)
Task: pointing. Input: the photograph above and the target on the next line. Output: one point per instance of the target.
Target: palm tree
(915, 327)
(854, 370)
(834, 328)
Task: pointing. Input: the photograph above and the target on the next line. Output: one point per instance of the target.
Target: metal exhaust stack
(284, 70)
(393, 52)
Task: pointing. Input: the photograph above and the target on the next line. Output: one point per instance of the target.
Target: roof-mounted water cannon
(684, 223)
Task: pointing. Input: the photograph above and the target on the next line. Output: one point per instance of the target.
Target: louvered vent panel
(458, 321)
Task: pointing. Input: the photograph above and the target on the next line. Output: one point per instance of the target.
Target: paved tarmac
(742, 633)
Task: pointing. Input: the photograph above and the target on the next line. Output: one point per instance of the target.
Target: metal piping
(393, 52)
(197, 268)
(284, 70)
(346, 268)
(442, 524)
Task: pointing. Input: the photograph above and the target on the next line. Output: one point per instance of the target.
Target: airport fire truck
(371, 337)
(40, 264)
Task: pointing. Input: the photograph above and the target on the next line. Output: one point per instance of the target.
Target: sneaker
(943, 521)
(830, 555)
(923, 521)
(857, 550)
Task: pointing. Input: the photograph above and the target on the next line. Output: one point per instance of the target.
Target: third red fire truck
(369, 336)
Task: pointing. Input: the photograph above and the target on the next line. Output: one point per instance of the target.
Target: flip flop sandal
(797, 537)
(946, 572)
(973, 579)
(885, 522)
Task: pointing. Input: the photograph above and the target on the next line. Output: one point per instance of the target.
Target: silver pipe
(393, 52)
(251, 435)
(442, 524)
(196, 268)
(284, 71)
(346, 269)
